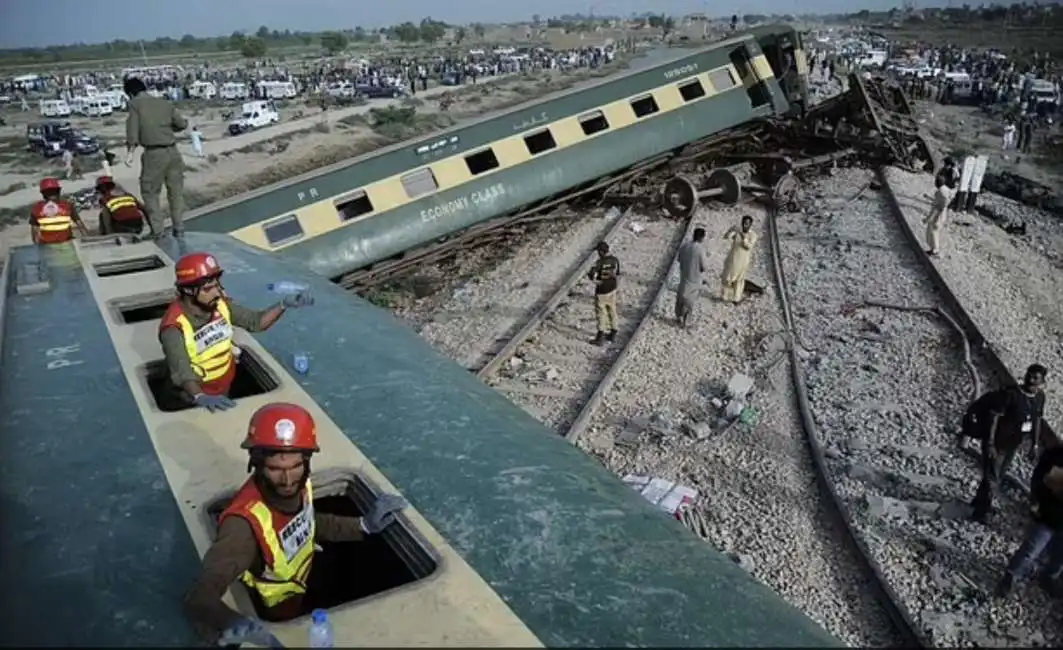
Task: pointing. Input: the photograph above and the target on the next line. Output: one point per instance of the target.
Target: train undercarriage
(871, 124)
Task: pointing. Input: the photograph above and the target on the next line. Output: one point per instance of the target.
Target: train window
(354, 205)
(644, 106)
(692, 90)
(252, 378)
(722, 79)
(481, 161)
(283, 230)
(396, 557)
(127, 266)
(743, 63)
(539, 142)
(419, 183)
(593, 122)
(138, 309)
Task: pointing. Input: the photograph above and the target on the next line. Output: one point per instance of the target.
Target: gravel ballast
(888, 388)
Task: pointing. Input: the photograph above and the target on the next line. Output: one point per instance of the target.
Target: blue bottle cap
(319, 616)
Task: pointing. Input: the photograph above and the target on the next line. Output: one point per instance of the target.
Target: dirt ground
(306, 139)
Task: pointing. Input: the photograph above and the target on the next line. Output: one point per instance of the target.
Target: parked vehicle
(255, 116)
(52, 138)
(54, 108)
(378, 92)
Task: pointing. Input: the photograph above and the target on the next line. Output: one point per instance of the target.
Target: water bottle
(321, 630)
(301, 362)
(286, 287)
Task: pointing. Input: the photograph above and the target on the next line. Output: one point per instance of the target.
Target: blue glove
(382, 513)
(247, 630)
(213, 403)
(297, 300)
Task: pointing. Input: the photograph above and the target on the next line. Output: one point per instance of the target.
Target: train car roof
(435, 136)
(107, 501)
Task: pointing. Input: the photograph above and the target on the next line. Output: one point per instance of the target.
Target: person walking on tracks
(733, 277)
(1046, 529)
(604, 274)
(120, 211)
(692, 264)
(152, 123)
(1002, 419)
(945, 182)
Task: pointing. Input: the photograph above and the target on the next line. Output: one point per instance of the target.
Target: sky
(23, 24)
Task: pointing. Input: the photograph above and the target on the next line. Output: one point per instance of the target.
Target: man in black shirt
(604, 275)
(1012, 414)
(1046, 531)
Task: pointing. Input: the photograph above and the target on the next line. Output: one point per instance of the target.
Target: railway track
(549, 366)
(893, 362)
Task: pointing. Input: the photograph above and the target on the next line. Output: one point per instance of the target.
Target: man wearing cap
(196, 334)
(52, 219)
(267, 535)
(120, 211)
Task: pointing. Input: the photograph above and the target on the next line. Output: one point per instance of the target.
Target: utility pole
(143, 55)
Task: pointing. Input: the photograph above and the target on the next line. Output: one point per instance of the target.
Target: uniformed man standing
(692, 264)
(52, 219)
(151, 124)
(733, 277)
(268, 533)
(120, 211)
(196, 334)
(604, 274)
(1012, 415)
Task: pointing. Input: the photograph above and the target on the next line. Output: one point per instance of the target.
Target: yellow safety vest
(292, 552)
(55, 224)
(210, 348)
(121, 201)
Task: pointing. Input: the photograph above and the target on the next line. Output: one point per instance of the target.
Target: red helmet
(104, 180)
(196, 268)
(282, 427)
(49, 184)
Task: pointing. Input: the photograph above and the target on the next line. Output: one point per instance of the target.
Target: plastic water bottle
(286, 287)
(321, 630)
(301, 362)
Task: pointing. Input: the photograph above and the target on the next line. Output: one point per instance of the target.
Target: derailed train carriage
(390, 204)
(514, 538)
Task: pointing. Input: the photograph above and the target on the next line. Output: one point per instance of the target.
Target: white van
(54, 108)
(234, 90)
(276, 89)
(97, 107)
(202, 90)
(254, 116)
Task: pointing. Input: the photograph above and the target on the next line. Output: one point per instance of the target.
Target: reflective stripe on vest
(117, 203)
(292, 552)
(55, 224)
(210, 348)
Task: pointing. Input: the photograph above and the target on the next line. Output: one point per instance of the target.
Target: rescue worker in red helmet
(196, 334)
(120, 211)
(52, 219)
(267, 535)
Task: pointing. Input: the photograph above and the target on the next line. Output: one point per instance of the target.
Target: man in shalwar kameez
(734, 269)
(692, 264)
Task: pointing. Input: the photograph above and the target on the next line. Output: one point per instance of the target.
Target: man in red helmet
(52, 219)
(196, 334)
(120, 211)
(267, 534)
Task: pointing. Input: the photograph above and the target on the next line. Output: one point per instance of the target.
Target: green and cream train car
(380, 205)
(514, 538)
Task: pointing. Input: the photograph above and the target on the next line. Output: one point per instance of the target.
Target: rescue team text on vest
(212, 333)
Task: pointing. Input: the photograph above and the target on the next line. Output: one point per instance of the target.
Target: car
(51, 139)
(381, 91)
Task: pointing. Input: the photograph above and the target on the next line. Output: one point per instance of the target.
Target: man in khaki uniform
(604, 275)
(151, 124)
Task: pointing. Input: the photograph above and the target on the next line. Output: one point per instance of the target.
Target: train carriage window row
(423, 182)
